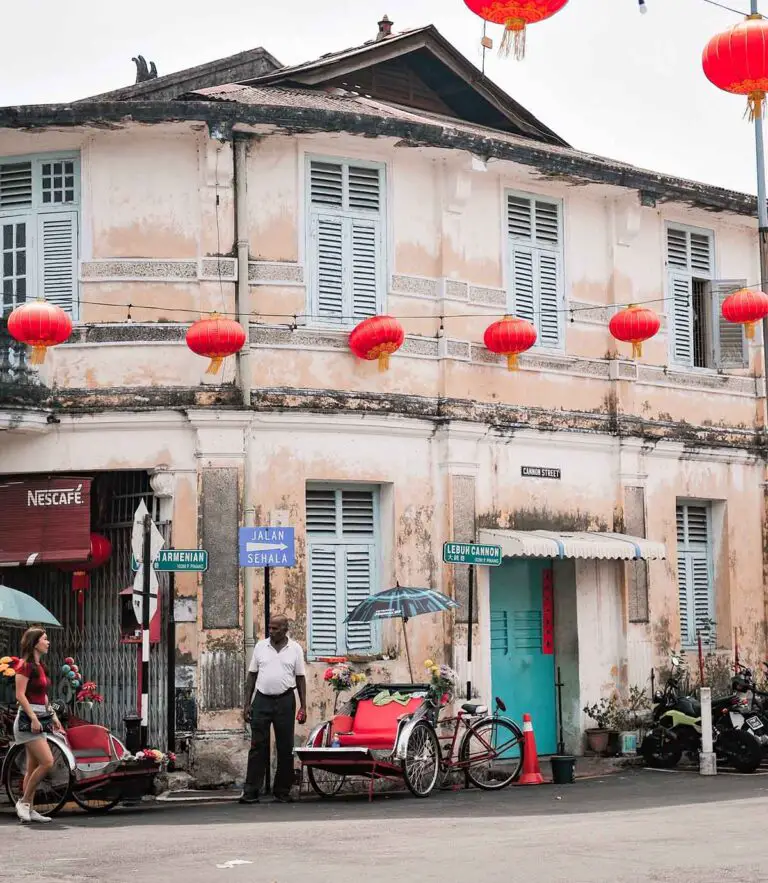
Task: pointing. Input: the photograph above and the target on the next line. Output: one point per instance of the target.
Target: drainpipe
(243, 305)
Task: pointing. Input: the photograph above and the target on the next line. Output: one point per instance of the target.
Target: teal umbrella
(24, 609)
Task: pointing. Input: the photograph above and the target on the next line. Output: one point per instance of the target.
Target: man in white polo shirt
(276, 670)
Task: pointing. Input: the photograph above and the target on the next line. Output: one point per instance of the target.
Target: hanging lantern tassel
(214, 366)
(513, 41)
(755, 104)
(513, 363)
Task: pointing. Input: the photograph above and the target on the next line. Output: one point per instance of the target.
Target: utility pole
(762, 224)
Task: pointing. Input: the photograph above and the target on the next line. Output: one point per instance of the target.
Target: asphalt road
(639, 826)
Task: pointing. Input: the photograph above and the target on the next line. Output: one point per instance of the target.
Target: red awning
(46, 519)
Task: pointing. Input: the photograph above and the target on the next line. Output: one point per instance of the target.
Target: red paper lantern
(377, 338)
(215, 338)
(746, 307)
(634, 325)
(39, 324)
(100, 552)
(515, 15)
(737, 61)
(509, 337)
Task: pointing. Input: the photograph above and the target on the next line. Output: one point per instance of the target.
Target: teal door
(522, 651)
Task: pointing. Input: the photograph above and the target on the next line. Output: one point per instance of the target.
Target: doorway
(522, 644)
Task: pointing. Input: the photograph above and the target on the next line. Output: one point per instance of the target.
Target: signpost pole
(267, 602)
(470, 616)
(145, 598)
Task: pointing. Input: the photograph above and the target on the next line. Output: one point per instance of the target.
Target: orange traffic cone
(531, 769)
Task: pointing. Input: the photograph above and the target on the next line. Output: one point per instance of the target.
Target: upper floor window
(694, 573)
(342, 538)
(39, 200)
(535, 235)
(346, 259)
(699, 336)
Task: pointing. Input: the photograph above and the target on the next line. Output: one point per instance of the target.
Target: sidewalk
(586, 768)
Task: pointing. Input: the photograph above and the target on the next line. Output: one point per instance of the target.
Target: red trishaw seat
(90, 742)
(373, 726)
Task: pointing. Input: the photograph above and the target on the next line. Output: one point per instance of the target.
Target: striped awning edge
(582, 544)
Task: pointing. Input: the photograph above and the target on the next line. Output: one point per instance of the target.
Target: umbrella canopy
(401, 601)
(16, 607)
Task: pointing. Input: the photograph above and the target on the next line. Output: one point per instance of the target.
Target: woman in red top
(32, 695)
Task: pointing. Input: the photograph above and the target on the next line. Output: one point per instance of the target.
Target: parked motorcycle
(677, 730)
(753, 706)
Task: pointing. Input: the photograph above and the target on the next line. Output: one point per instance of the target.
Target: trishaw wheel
(421, 767)
(95, 805)
(492, 753)
(55, 789)
(324, 782)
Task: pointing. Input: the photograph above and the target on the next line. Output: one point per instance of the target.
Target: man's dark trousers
(280, 713)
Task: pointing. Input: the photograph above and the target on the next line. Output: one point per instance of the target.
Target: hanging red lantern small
(737, 61)
(215, 338)
(635, 325)
(100, 552)
(746, 307)
(509, 337)
(515, 15)
(377, 338)
(39, 324)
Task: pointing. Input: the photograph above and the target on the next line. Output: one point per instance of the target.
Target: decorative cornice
(138, 270)
(731, 384)
(415, 286)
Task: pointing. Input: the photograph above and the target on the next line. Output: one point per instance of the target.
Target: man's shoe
(283, 798)
(248, 798)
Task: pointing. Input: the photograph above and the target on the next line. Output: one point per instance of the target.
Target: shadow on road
(637, 789)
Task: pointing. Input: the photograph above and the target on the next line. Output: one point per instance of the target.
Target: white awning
(584, 544)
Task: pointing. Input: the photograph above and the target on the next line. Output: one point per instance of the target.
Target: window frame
(384, 237)
(340, 541)
(708, 554)
(31, 215)
(535, 248)
(713, 287)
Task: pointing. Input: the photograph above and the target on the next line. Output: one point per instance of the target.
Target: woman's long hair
(28, 643)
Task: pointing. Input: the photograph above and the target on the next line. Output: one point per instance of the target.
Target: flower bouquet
(150, 755)
(443, 681)
(8, 679)
(340, 677)
(87, 695)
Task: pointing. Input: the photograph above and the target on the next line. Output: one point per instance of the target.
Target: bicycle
(491, 750)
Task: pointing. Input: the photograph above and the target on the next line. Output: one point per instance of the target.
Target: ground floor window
(342, 542)
(694, 573)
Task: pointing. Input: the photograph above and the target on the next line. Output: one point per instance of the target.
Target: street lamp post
(762, 221)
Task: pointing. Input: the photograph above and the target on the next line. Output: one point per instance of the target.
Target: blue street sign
(267, 547)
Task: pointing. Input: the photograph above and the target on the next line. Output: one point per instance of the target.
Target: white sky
(607, 79)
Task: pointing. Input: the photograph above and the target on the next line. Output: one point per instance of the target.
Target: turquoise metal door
(522, 652)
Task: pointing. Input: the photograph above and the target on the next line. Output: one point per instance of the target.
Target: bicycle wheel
(491, 752)
(55, 789)
(421, 767)
(324, 782)
(95, 805)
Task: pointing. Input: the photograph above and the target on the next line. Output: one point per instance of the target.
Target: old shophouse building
(388, 178)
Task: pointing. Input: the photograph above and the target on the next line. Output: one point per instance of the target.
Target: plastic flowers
(443, 679)
(341, 677)
(88, 694)
(8, 666)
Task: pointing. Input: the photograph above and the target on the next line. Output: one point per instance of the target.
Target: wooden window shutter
(681, 318)
(15, 185)
(327, 265)
(358, 567)
(523, 278)
(365, 263)
(549, 298)
(57, 258)
(323, 630)
(730, 341)
(694, 575)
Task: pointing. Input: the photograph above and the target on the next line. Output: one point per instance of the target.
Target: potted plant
(603, 714)
(627, 719)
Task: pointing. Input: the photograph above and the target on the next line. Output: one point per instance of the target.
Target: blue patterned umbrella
(401, 602)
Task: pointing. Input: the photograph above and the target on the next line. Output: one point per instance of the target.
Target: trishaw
(91, 766)
(395, 731)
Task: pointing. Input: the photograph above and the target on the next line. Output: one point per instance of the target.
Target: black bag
(25, 722)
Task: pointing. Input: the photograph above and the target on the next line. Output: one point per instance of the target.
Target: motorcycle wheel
(660, 752)
(742, 750)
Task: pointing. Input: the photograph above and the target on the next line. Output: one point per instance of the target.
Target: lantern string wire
(297, 318)
(728, 8)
